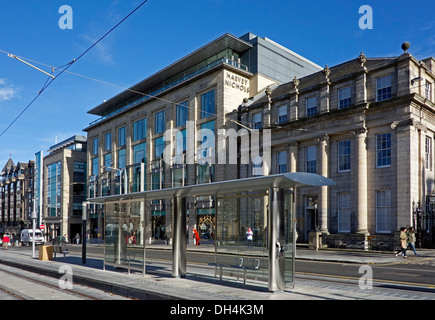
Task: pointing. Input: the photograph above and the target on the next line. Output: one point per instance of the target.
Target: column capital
(324, 138)
(358, 131)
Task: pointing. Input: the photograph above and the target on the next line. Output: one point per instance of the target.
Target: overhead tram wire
(105, 82)
(68, 65)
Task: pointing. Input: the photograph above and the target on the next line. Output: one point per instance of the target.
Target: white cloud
(101, 52)
(7, 91)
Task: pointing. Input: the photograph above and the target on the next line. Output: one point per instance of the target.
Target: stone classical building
(64, 187)
(127, 142)
(16, 197)
(368, 124)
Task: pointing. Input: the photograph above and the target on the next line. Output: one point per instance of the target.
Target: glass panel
(290, 240)
(124, 234)
(241, 237)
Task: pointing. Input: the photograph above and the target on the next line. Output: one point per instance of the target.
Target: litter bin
(45, 253)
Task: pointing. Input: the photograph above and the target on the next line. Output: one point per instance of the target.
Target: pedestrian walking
(196, 236)
(403, 242)
(5, 241)
(77, 238)
(411, 239)
(249, 237)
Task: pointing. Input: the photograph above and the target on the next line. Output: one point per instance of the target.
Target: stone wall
(361, 241)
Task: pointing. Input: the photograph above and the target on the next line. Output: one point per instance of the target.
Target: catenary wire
(68, 65)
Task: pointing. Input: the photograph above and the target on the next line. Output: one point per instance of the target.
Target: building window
(204, 173)
(159, 148)
(208, 104)
(383, 88)
(257, 167)
(182, 113)
(121, 136)
(95, 167)
(121, 159)
(343, 212)
(206, 150)
(95, 146)
(139, 155)
(383, 211)
(310, 159)
(344, 97)
(108, 141)
(256, 120)
(108, 160)
(179, 176)
(159, 122)
(428, 90)
(139, 129)
(383, 150)
(282, 114)
(180, 143)
(282, 162)
(311, 106)
(343, 155)
(428, 151)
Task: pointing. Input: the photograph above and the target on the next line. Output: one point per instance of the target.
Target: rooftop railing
(135, 101)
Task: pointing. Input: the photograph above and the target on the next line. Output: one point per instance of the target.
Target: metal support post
(276, 235)
(179, 243)
(84, 209)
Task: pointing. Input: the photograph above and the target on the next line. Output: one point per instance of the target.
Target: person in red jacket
(5, 241)
(196, 236)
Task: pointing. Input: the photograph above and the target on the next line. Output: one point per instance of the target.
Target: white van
(27, 237)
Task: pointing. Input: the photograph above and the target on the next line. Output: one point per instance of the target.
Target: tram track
(25, 285)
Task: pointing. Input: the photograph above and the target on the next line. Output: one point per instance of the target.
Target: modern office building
(187, 99)
(16, 197)
(64, 187)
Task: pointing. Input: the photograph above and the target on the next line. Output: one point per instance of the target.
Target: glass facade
(53, 189)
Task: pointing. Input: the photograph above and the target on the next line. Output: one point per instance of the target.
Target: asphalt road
(416, 273)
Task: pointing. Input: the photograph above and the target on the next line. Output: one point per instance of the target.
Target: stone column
(293, 157)
(361, 171)
(324, 194)
(294, 100)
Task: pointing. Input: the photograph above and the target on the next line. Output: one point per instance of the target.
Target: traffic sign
(42, 227)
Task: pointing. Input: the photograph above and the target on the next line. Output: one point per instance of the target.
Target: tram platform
(200, 283)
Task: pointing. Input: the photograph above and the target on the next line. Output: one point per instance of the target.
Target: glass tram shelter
(265, 205)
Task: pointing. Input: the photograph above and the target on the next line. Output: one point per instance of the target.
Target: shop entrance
(159, 227)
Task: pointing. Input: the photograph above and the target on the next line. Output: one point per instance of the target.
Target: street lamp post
(84, 209)
(33, 216)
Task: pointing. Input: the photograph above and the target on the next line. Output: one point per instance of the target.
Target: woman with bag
(403, 242)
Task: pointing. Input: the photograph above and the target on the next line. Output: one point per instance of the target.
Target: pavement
(201, 283)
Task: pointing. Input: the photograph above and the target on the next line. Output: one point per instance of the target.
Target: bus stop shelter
(262, 206)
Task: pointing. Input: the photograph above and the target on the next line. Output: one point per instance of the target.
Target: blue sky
(160, 33)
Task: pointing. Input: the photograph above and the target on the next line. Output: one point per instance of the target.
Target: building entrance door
(159, 227)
